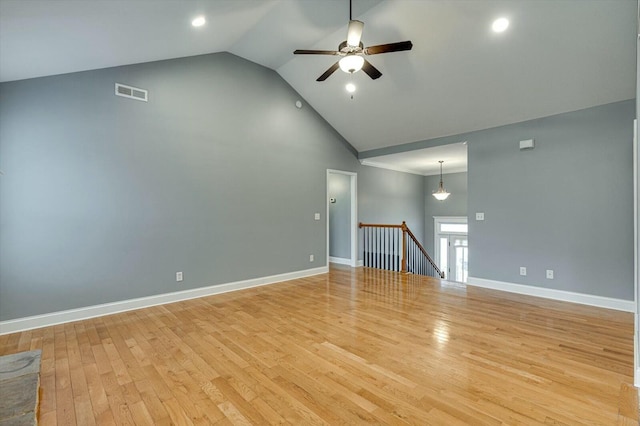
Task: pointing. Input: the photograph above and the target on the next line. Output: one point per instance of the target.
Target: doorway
(451, 247)
(342, 217)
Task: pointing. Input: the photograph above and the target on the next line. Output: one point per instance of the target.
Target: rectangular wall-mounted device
(528, 144)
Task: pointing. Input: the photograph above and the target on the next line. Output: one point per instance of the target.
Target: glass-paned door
(454, 257)
(452, 247)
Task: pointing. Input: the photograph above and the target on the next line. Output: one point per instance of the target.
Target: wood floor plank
(628, 402)
(354, 346)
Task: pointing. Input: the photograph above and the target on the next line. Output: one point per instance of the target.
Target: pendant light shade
(441, 194)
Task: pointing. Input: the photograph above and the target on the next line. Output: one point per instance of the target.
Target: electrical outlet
(311, 258)
(549, 274)
(316, 216)
(523, 270)
(480, 216)
(178, 276)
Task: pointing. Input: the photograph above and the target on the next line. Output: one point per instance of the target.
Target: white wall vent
(131, 92)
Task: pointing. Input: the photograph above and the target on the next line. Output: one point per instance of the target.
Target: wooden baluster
(396, 266)
(364, 244)
(378, 248)
(368, 249)
(404, 247)
(374, 232)
(384, 248)
(364, 247)
(393, 249)
(373, 250)
(371, 241)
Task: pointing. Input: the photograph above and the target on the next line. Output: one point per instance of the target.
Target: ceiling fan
(352, 51)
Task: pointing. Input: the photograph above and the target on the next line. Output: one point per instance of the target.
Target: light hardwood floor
(350, 347)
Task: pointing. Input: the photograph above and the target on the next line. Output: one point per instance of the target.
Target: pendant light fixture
(441, 194)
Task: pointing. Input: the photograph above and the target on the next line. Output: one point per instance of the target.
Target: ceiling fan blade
(354, 33)
(315, 52)
(328, 72)
(386, 48)
(370, 70)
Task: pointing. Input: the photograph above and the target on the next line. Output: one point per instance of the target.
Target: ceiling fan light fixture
(350, 87)
(352, 52)
(354, 33)
(351, 63)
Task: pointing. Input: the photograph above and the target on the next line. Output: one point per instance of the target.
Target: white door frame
(354, 214)
(636, 253)
(437, 220)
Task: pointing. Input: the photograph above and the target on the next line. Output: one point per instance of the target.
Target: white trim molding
(561, 295)
(54, 318)
(353, 187)
(340, 260)
(636, 253)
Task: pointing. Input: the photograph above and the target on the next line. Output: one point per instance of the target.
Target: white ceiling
(424, 161)
(557, 55)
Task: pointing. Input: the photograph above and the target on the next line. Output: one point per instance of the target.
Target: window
(453, 228)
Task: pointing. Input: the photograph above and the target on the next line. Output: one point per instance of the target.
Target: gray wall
(218, 176)
(340, 216)
(454, 205)
(390, 197)
(403, 194)
(567, 205)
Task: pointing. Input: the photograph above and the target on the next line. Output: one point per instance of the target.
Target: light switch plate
(480, 216)
(317, 216)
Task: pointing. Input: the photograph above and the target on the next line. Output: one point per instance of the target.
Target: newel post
(404, 247)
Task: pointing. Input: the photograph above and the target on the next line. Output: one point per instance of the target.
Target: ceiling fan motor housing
(346, 48)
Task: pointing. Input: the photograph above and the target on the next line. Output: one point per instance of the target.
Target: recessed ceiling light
(500, 24)
(199, 21)
(350, 87)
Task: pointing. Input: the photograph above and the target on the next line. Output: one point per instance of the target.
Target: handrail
(422, 249)
(379, 257)
(378, 225)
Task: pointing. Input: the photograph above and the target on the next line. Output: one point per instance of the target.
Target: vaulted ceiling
(556, 56)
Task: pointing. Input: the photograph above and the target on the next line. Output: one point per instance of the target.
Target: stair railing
(396, 248)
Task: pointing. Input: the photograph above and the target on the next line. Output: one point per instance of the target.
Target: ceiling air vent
(131, 92)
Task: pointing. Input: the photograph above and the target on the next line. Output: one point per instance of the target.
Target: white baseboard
(54, 318)
(343, 261)
(340, 260)
(548, 293)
